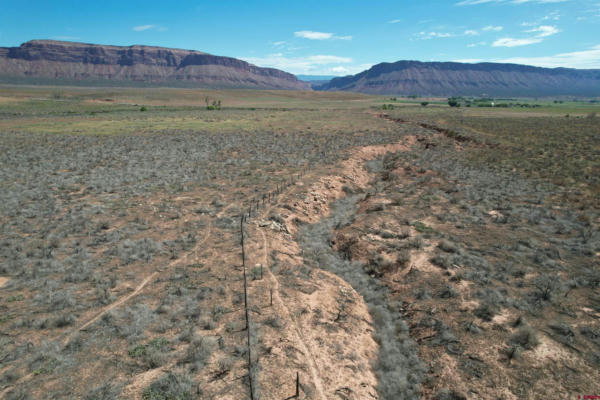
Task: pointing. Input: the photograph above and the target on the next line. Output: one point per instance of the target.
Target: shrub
(18, 394)
(486, 311)
(151, 354)
(525, 337)
(404, 232)
(563, 331)
(513, 352)
(422, 228)
(452, 102)
(442, 261)
(447, 292)
(171, 386)
(447, 394)
(546, 287)
(417, 242)
(403, 258)
(274, 321)
(198, 352)
(447, 246)
(591, 333)
(106, 391)
(139, 250)
(64, 320)
(424, 103)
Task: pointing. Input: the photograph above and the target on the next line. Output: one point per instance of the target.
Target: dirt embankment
(322, 317)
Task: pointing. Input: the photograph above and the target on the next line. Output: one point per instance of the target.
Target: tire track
(314, 372)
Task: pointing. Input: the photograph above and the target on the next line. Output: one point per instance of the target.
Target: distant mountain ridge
(58, 60)
(452, 78)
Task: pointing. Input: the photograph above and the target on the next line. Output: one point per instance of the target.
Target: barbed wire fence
(255, 204)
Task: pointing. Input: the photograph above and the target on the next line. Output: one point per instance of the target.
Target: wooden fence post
(246, 308)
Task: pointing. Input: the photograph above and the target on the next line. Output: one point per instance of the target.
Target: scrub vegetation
(473, 248)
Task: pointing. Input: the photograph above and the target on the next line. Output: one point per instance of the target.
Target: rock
(451, 79)
(82, 61)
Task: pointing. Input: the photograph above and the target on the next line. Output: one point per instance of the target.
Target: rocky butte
(483, 79)
(48, 61)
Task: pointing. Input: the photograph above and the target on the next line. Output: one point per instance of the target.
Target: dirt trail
(143, 284)
(314, 371)
(110, 307)
(143, 380)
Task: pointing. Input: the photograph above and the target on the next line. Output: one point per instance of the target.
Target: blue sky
(326, 37)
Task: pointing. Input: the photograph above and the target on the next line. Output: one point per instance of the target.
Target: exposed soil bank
(398, 368)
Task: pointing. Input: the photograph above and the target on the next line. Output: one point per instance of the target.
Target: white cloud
(511, 42)
(310, 65)
(492, 28)
(394, 21)
(476, 44)
(140, 28)
(312, 35)
(544, 30)
(553, 16)
(540, 33)
(425, 35)
(340, 70)
(589, 59)
(430, 35)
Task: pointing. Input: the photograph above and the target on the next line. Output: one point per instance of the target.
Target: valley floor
(412, 252)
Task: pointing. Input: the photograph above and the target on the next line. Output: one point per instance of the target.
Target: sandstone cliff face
(484, 79)
(80, 61)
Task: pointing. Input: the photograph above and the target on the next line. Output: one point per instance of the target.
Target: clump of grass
(422, 228)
